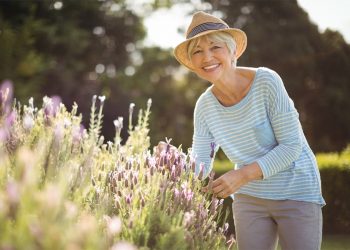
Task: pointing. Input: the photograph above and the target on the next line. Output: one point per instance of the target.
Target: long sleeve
(285, 123)
(202, 139)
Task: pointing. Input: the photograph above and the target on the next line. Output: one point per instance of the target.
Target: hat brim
(181, 54)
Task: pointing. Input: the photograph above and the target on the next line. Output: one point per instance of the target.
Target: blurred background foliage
(75, 49)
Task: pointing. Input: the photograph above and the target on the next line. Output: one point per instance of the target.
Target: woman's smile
(211, 67)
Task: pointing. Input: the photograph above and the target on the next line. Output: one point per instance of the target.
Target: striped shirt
(263, 127)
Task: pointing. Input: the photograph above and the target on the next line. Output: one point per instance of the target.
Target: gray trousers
(261, 223)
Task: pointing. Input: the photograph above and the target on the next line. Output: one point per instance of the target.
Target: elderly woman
(247, 112)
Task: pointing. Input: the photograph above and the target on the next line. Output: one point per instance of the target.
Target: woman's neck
(234, 87)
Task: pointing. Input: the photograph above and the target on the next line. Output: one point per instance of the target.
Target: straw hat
(203, 24)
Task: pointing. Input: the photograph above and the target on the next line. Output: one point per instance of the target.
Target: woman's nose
(207, 55)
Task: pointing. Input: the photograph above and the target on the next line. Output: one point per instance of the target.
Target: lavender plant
(63, 187)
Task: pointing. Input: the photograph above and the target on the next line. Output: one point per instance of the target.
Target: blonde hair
(220, 36)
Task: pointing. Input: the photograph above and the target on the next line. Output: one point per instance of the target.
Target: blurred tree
(70, 48)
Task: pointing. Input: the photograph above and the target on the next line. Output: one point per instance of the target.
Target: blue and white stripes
(263, 127)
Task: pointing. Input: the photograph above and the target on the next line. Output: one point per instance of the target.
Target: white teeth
(210, 67)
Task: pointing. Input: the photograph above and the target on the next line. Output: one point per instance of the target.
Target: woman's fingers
(219, 191)
(205, 189)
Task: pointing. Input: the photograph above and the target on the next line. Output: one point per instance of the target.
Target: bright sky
(162, 25)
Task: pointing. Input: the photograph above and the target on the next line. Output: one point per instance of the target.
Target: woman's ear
(234, 58)
(234, 55)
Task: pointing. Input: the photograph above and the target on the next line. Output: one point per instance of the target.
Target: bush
(335, 177)
(63, 187)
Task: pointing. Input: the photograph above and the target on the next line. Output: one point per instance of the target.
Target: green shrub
(335, 176)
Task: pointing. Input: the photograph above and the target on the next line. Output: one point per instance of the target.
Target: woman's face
(211, 59)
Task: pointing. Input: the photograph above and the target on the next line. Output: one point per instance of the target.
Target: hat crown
(200, 18)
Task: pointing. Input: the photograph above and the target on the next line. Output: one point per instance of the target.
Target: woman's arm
(286, 126)
(232, 180)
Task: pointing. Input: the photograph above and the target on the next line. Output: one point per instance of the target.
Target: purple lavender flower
(189, 195)
(146, 178)
(212, 146)
(211, 179)
(176, 193)
(212, 175)
(117, 202)
(120, 176)
(77, 133)
(128, 199)
(56, 101)
(151, 161)
(189, 218)
(162, 158)
(10, 119)
(51, 106)
(201, 171)
(59, 132)
(120, 193)
(151, 170)
(143, 203)
(225, 227)
(28, 122)
(6, 96)
(192, 163)
(134, 179)
(173, 173)
(203, 213)
(214, 205)
(168, 145)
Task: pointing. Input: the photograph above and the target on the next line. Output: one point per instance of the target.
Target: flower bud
(28, 122)
(128, 199)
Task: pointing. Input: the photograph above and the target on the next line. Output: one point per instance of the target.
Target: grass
(336, 242)
(332, 242)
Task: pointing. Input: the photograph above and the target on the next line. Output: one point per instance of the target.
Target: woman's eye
(196, 52)
(216, 47)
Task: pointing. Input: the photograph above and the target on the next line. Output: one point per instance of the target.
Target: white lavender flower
(102, 99)
(28, 122)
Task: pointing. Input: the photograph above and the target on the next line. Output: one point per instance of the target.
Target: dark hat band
(204, 27)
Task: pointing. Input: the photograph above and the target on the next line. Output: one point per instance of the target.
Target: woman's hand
(227, 183)
(232, 180)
